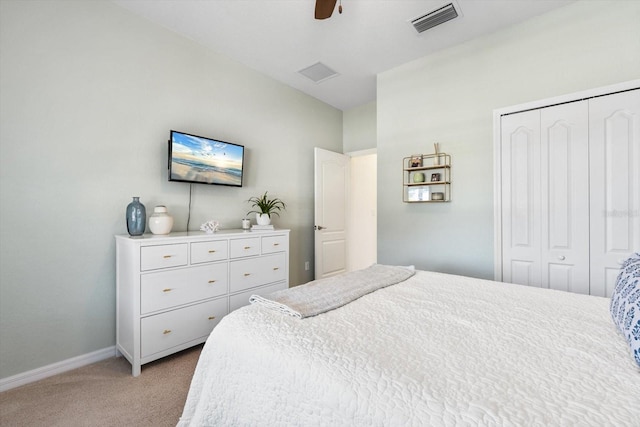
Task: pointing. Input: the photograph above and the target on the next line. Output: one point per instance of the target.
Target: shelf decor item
(418, 194)
(210, 227)
(160, 222)
(418, 177)
(136, 216)
(265, 207)
(416, 161)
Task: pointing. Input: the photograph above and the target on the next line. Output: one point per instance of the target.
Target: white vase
(263, 219)
(160, 222)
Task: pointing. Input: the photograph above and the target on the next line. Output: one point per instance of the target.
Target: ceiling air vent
(437, 17)
(318, 72)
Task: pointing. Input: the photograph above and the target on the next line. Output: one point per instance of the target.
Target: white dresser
(172, 290)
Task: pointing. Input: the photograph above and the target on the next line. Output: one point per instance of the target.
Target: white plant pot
(263, 219)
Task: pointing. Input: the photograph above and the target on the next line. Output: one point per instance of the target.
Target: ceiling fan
(324, 8)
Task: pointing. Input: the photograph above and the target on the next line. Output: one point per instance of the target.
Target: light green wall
(360, 128)
(89, 93)
(448, 97)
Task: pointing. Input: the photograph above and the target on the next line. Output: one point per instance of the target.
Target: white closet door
(564, 220)
(520, 157)
(614, 127)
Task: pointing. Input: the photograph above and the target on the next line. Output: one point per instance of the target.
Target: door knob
(561, 257)
(318, 227)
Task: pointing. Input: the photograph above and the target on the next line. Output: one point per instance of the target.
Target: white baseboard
(56, 368)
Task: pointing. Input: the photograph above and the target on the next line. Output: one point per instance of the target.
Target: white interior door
(520, 157)
(614, 128)
(545, 199)
(564, 222)
(331, 194)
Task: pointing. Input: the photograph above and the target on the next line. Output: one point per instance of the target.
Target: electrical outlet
(306, 266)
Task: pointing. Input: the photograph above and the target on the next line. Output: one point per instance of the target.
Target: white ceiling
(280, 37)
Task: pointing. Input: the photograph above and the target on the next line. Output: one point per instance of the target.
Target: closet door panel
(520, 158)
(561, 277)
(564, 169)
(614, 127)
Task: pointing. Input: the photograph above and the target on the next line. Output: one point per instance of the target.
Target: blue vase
(136, 217)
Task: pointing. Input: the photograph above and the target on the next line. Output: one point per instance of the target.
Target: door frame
(497, 158)
(353, 213)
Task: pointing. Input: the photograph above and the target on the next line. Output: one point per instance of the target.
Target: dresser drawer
(166, 289)
(240, 300)
(271, 244)
(215, 250)
(244, 247)
(170, 329)
(163, 256)
(249, 273)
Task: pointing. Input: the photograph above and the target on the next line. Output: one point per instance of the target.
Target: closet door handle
(561, 258)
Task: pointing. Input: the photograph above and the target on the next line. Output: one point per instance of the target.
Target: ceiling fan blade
(324, 8)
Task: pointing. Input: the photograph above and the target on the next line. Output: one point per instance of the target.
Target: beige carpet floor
(105, 394)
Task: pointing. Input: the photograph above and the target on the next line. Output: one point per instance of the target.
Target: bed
(434, 349)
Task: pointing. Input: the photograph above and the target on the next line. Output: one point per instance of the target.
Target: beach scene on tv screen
(205, 160)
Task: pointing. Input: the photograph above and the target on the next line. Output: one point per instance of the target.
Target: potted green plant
(265, 207)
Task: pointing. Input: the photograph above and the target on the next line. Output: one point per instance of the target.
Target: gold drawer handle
(247, 247)
(247, 274)
(212, 317)
(276, 244)
(212, 281)
(167, 256)
(276, 268)
(167, 331)
(167, 290)
(211, 251)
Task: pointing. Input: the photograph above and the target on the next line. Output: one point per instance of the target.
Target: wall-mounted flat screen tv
(204, 160)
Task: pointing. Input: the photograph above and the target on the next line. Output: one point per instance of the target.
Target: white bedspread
(433, 350)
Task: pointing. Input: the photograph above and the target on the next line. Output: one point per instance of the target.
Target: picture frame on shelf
(415, 161)
(418, 194)
(435, 177)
